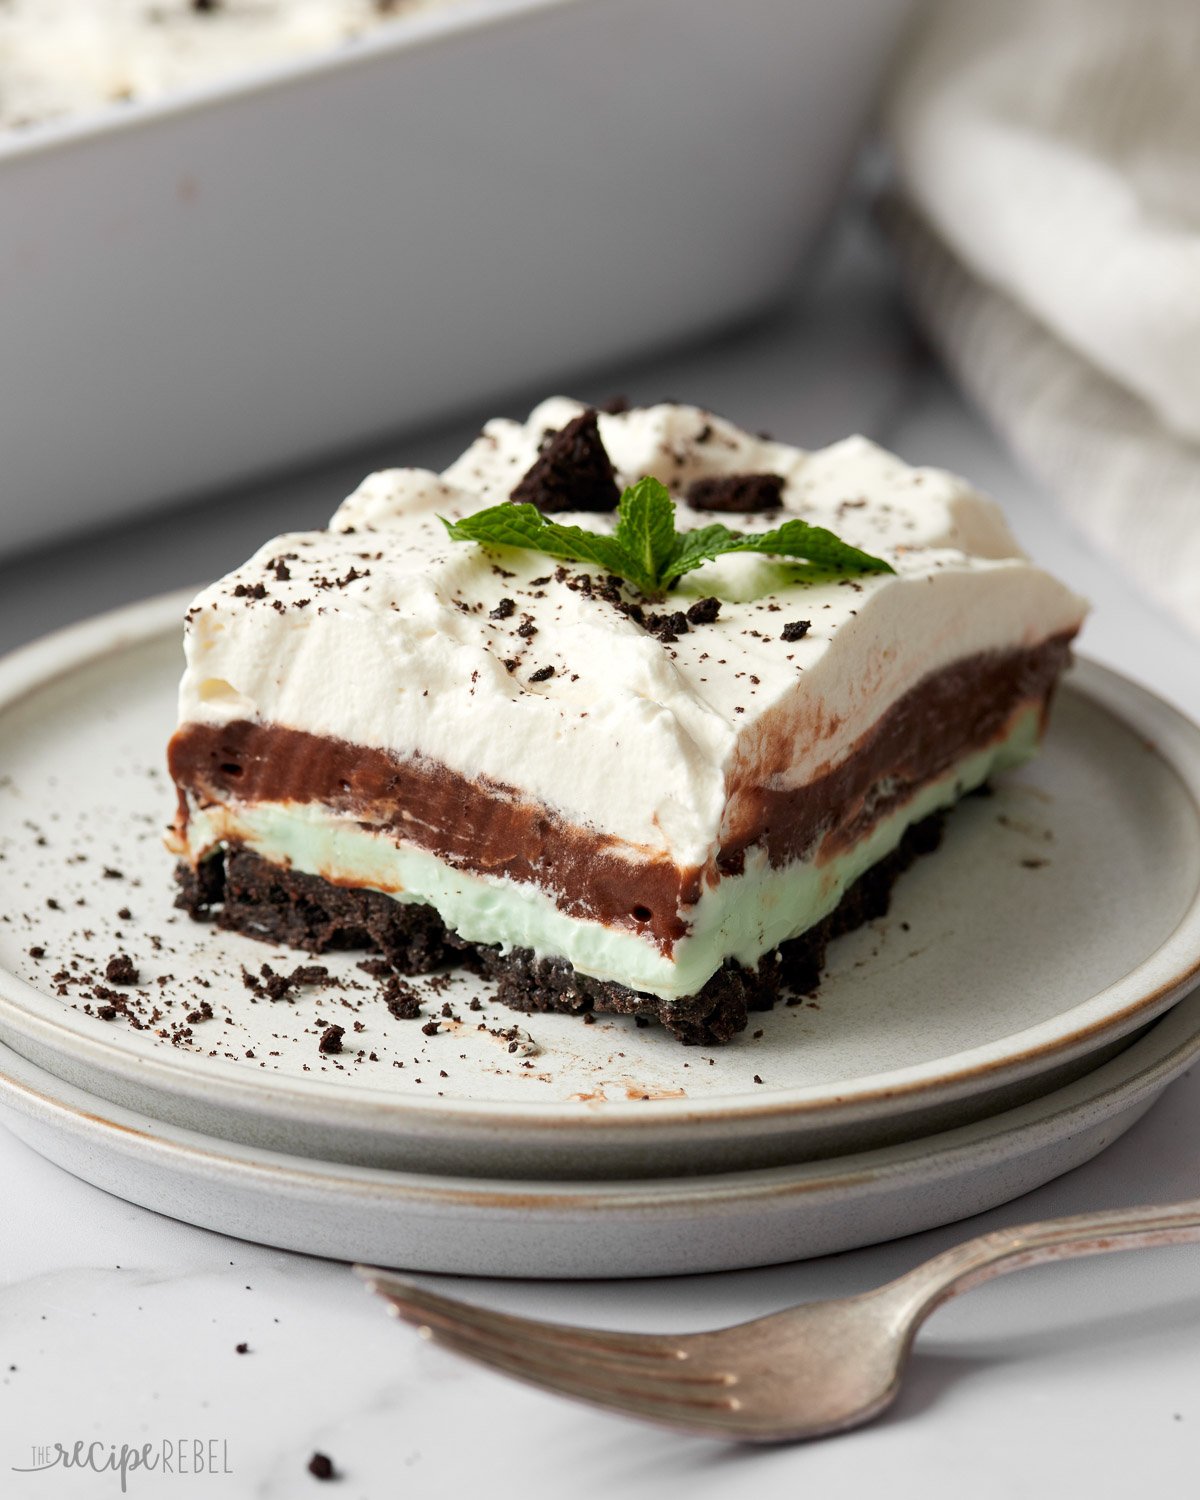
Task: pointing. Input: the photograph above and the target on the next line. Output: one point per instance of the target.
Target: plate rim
(1166, 730)
(1141, 1071)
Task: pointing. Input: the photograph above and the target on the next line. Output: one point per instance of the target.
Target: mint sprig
(647, 550)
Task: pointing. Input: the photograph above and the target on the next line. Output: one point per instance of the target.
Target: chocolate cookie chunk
(572, 472)
(740, 493)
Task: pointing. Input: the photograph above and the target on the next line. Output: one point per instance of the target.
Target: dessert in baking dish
(62, 58)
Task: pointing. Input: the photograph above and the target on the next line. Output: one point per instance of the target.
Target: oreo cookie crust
(243, 892)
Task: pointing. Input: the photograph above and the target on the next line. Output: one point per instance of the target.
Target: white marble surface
(120, 1326)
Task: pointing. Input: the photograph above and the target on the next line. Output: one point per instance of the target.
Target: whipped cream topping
(383, 632)
(65, 57)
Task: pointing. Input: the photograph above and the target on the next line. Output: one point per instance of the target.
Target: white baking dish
(485, 199)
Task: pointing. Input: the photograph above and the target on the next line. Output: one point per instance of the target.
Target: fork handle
(975, 1261)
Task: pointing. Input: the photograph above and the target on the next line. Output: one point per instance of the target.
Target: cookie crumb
(320, 1466)
(331, 1040)
(401, 999)
(120, 969)
(704, 611)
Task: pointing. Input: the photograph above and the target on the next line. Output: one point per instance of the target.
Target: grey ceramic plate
(1060, 916)
(575, 1229)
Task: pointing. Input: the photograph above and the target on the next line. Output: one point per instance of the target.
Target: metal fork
(802, 1373)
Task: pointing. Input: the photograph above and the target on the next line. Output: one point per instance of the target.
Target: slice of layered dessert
(633, 711)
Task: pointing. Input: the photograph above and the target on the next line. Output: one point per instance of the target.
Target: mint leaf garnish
(646, 549)
(700, 546)
(525, 526)
(646, 529)
(813, 544)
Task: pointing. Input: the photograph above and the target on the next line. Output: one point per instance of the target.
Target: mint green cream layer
(743, 917)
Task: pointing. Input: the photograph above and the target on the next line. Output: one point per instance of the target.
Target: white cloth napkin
(1048, 160)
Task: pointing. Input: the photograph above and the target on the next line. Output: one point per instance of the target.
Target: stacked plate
(1020, 1007)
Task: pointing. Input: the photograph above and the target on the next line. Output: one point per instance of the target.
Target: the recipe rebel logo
(178, 1455)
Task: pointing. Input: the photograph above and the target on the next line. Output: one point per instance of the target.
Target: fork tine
(611, 1374)
(498, 1333)
(405, 1296)
(705, 1418)
(641, 1385)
